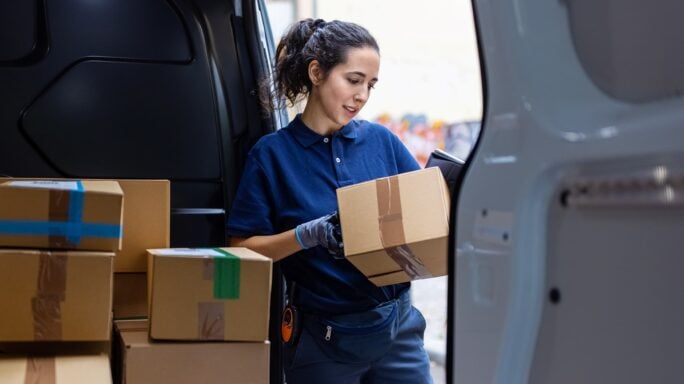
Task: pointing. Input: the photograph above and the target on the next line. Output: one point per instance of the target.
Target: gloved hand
(324, 231)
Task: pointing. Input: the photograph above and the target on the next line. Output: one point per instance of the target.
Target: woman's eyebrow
(361, 74)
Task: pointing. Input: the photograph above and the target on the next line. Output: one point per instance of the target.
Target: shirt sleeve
(250, 214)
(405, 160)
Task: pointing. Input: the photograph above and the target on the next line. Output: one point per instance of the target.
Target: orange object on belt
(287, 325)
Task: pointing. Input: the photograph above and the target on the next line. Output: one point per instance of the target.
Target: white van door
(570, 225)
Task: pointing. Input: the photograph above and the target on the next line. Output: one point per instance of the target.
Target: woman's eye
(354, 81)
(371, 86)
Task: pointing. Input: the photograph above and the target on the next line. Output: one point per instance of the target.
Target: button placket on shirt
(341, 171)
(334, 150)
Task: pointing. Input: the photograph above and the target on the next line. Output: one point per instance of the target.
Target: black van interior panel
(139, 89)
(131, 89)
(23, 33)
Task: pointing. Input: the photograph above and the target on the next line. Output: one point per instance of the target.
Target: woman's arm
(276, 247)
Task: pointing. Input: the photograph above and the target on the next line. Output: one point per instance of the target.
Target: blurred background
(429, 94)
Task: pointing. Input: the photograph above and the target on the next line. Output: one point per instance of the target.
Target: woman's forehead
(365, 60)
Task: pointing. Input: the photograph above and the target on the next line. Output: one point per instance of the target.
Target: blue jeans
(320, 355)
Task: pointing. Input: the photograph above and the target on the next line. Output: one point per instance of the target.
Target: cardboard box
(130, 295)
(142, 361)
(83, 215)
(93, 369)
(146, 222)
(52, 296)
(209, 294)
(396, 229)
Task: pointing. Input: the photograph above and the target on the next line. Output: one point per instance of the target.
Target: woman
(351, 330)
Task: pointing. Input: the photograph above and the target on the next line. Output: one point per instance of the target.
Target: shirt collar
(307, 137)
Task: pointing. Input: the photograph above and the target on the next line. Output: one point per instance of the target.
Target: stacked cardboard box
(209, 294)
(65, 369)
(56, 268)
(73, 215)
(143, 361)
(55, 295)
(146, 224)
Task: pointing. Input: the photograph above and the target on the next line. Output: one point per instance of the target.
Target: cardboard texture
(130, 295)
(142, 361)
(146, 222)
(94, 369)
(52, 295)
(396, 229)
(209, 294)
(83, 215)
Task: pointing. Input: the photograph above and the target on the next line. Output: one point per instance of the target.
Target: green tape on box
(226, 275)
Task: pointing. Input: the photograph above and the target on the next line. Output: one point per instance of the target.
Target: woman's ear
(315, 73)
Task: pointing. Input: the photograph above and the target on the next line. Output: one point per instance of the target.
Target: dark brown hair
(303, 42)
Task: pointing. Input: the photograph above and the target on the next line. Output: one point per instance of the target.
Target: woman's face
(345, 90)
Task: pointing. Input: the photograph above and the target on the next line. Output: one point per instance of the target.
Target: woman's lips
(351, 111)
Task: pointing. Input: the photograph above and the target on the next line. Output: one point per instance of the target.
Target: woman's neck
(314, 118)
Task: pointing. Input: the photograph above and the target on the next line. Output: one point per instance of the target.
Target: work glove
(324, 231)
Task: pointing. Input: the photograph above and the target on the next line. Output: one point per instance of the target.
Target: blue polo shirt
(290, 177)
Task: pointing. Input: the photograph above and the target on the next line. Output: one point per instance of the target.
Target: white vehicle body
(570, 221)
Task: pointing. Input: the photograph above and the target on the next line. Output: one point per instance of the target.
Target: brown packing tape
(208, 269)
(412, 265)
(52, 272)
(210, 320)
(46, 305)
(47, 316)
(40, 370)
(59, 211)
(389, 212)
(392, 228)
(210, 313)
